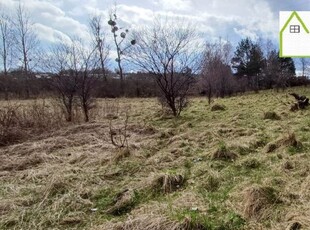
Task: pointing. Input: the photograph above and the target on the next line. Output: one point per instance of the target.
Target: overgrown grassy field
(243, 164)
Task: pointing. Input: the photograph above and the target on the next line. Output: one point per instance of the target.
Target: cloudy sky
(228, 19)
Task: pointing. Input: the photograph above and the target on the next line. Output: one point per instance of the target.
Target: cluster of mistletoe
(122, 33)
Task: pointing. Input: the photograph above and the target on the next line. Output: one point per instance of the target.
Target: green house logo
(294, 34)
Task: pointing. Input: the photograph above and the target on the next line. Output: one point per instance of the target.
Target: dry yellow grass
(172, 175)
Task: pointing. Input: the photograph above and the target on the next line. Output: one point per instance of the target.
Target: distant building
(43, 75)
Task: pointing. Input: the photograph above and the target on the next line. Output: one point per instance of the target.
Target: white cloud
(49, 15)
(215, 18)
(246, 33)
(48, 34)
(134, 15)
(229, 19)
(181, 5)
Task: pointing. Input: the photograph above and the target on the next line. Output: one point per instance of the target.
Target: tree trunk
(6, 90)
(6, 94)
(121, 79)
(69, 109)
(86, 112)
(173, 107)
(209, 95)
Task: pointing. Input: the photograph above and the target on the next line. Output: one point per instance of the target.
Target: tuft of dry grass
(72, 219)
(288, 165)
(123, 202)
(251, 163)
(223, 153)
(258, 202)
(284, 141)
(5, 207)
(56, 186)
(270, 115)
(210, 181)
(23, 163)
(145, 222)
(297, 220)
(121, 154)
(167, 183)
(305, 189)
(218, 107)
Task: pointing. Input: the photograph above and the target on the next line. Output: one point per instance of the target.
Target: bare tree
(305, 64)
(26, 42)
(62, 62)
(75, 77)
(98, 36)
(87, 79)
(216, 76)
(278, 71)
(168, 50)
(119, 36)
(6, 48)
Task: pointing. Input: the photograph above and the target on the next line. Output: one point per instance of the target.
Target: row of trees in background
(172, 64)
(19, 44)
(253, 66)
(262, 69)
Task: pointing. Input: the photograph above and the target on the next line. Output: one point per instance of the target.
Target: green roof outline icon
(294, 14)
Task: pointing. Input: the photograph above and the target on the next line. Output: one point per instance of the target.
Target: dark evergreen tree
(286, 72)
(287, 66)
(249, 62)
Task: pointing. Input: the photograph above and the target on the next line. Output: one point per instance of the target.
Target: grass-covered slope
(243, 164)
